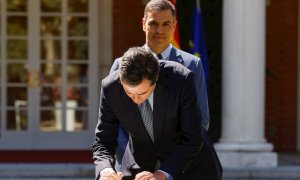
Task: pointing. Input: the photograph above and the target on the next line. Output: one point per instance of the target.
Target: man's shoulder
(173, 67)
(173, 74)
(117, 61)
(111, 79)
(186, 56)
(190, 61)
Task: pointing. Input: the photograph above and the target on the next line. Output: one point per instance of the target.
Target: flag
(175, 37)
(197, 42)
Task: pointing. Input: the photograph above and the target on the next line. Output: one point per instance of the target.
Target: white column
(105, 37)
(243, 142)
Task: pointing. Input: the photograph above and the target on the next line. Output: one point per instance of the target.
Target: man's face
(159, 26)
(139, 93)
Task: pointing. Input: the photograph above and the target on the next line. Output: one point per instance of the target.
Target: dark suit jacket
(177, 129)
(194, 64)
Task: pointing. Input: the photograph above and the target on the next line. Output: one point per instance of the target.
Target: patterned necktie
(159, 56)
(147, 116)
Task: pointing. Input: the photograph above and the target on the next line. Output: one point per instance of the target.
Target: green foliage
(17, 6)
(17, 26)
(51, 5)
(17, 49)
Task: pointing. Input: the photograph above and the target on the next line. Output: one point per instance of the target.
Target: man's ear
(175, 22)
(143, 23)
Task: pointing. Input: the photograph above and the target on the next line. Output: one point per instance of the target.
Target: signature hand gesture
(146, 175)
(110, 174)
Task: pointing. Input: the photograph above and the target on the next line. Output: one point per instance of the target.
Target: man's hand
(160, 175)
(146, 175)
(110, 174)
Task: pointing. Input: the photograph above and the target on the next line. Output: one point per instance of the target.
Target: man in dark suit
(172, 148)
(159, 24)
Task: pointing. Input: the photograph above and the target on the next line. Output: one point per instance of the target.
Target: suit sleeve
(202, 100)
(123, 135)
(190, 130)
(106, 133)
(115, 65)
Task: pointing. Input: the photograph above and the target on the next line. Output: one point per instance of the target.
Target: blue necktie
(159, 56)
(147, 116)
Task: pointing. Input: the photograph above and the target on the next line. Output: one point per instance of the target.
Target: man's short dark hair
(159, 5)
(138, 64)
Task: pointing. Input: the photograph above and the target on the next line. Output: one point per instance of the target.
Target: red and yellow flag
(176, 38)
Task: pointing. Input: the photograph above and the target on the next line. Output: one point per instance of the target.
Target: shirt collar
(150, 99)
(165, 54)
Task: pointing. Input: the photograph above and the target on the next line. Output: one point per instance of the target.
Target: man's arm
(105, 135)
(195, 64)
(202, 100)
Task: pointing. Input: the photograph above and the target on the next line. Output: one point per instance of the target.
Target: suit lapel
(133, 121)
(175, 56)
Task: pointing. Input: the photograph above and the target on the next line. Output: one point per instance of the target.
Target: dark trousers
(206, 165)
(210, 167)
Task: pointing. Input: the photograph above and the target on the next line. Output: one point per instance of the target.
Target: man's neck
(158, 50)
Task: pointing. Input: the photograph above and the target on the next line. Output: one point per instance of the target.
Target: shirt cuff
(169, 177)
